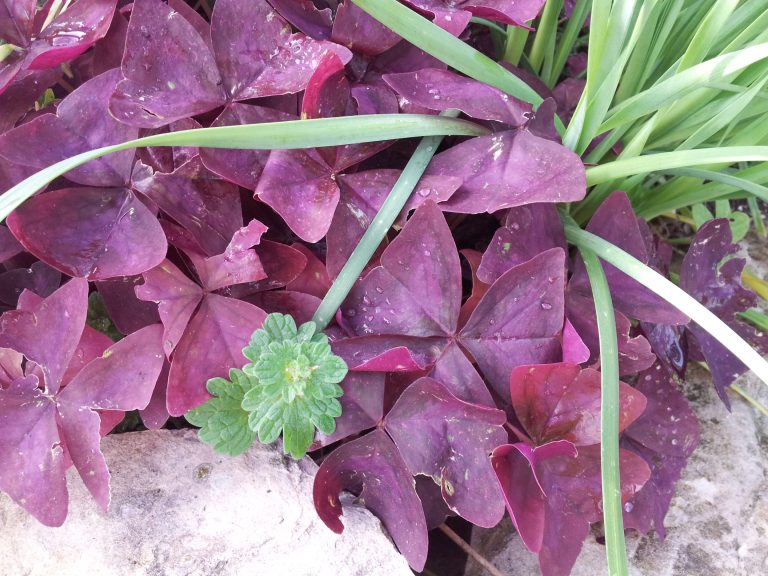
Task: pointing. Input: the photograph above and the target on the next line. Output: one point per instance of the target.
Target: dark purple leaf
(448, 16)
(300, 306)
(50, 138)
(362, 407)
(20, 96)
(16, 20)
(438, 89)
(528, 230)
(212, 344)
(71, 33)
(440, 436)
(508, 169)
(155, 415)
(282, 265)
(616, 222)
(48, 334)
(38, 278)
(360, 32)
(635, 352)
(169, 72)
(177, 297)
(327, 92)
(126, 311)
(664, 436)
(371, 468)
(314, 278)
(417, 289)
(562, 402)
(715, 281)
(243, 167)
(454, 371)
(554, 496)
(518, 320)
(96, 233)
(389, 353)
(307, 17)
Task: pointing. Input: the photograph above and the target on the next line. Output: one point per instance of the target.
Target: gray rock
(180, 509)
(718, 521)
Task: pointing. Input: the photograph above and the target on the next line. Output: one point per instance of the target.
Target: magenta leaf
(454, 371)
(510, 169)
(307, 17)
(96, 233)
(518, 320)
(440, 436)
(388, 353)
(372, 468)
(512, 12)
(360, 32)
(665, 436)
(438, 89)
(31, 143)
(16, 20)
(327, 92)
(562, 402)
(715, 281)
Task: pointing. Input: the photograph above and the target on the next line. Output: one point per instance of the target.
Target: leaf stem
(379, 227)
(471, 552)
(616, 551)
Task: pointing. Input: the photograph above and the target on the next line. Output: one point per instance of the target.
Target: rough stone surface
(179, 509)
(718, 521)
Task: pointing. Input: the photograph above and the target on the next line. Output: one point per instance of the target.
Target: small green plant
(291, 386)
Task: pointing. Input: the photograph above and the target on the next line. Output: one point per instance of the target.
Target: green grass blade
(268, 136)
(717, 69)
(673, 294)
(378, 228)
(446, 47)
(568, 40)
(615, 547)
(546, 31)
(678, 159)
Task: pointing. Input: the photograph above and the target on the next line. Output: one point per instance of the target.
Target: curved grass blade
(677, 159)
(376, 232)
(615, 547)
(673, 294)
(271, 136)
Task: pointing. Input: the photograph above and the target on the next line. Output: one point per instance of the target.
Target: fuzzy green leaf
(222, 420)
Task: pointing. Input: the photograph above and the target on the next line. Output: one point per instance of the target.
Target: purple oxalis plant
(473, 388)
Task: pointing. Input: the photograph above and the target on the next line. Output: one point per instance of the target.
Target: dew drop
(628, 507)
(546, 306)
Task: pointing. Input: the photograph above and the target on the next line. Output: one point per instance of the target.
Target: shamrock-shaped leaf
(222, 420)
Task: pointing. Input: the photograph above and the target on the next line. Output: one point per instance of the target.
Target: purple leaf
(616, 222)
(664, 436)
(126, 311)
(177, 298)
(510, 169)
(518, 320)
(49, 333)
(207, 207)
(16, 20)
(96, 233)
(243, 167)
(362, 407)
(360, 32)
(155, 415)
(19, 97)
(282, 265)
(440, 436)
(388, 353)
(574, 349)
(314, 278)
(169, 72)
(327, 92)
(417, 289)
(450, 17)
(553, 497)
(212, 344)
(71, 33)
(38, 278)
(454, 371)
(438, 89)
(635, 352)
(50, 138)
(371, 468)
(300, 306)
(527, 231)
(716, 283)
(562, 402)
(307, 17)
